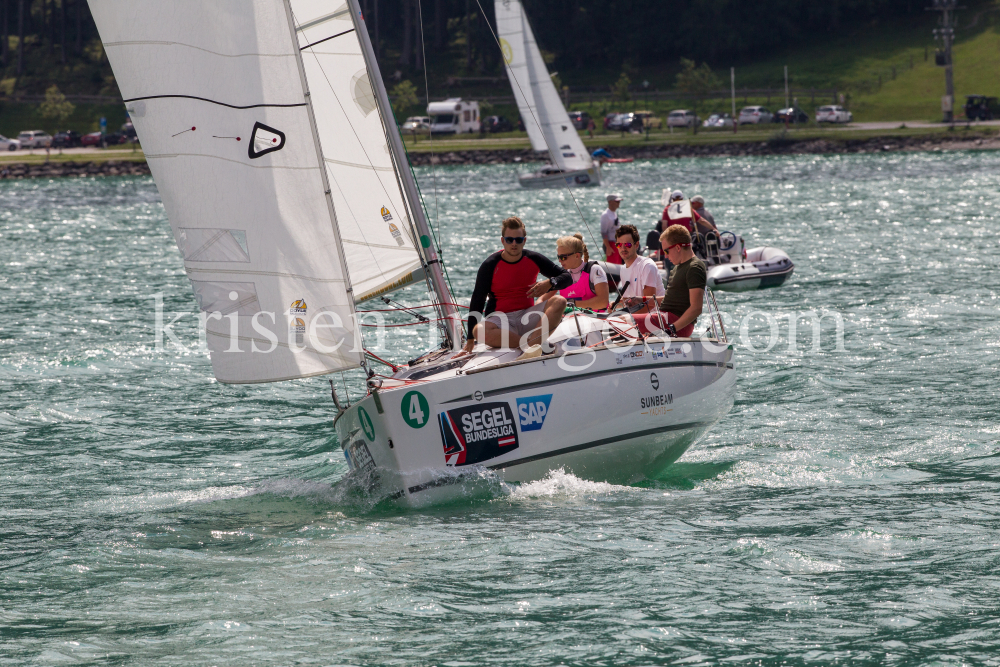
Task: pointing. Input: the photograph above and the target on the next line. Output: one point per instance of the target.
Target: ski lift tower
(944, 34)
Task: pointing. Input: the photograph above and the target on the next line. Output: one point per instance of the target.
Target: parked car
(612, 119)
(718, 120)
(34, 139)
(755, 116)
(682, 118)
(580, 119)
(92, 139)
(66, 139)
(833, 114)
(980, 107)
(9, 144)
(792, 115)
(416, 125)
(648, 120)
(498, 124)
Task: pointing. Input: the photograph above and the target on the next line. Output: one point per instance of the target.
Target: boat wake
(559, 483)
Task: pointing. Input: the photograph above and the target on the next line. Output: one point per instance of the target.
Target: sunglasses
(565, 257)
(681, 245)
(514, 239)
(625, 245)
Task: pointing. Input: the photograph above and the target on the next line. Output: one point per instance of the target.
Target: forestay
(559, 136)
(217, 97)
(374, 223)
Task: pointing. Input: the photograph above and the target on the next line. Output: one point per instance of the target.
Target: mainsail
(259, 124)
(542, 111)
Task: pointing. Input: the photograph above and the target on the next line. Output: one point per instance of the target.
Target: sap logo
(531, 411)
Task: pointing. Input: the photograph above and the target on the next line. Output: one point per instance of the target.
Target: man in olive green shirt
(686, 288)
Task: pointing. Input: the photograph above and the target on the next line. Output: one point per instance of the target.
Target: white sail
(217, 96)
(374, 223)
(510, 30)
(559, 136)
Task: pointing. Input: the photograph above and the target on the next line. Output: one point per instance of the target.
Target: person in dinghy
(502, 311)
(590, 282)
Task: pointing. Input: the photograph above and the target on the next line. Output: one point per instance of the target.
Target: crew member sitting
(590, 282)
(641, 274)
(686, 287)
(505, 291)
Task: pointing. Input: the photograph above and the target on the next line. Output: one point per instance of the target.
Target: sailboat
(545, 119)
(269, 133)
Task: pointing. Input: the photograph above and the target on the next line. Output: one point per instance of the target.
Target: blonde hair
(675, 234)
(512, 222)
(575, 243)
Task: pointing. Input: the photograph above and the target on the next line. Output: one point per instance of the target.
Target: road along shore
(776, 145)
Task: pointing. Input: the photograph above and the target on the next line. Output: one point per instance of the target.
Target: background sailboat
(545, 119)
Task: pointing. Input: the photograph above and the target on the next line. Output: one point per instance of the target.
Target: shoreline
(776, 145)
(772, 146)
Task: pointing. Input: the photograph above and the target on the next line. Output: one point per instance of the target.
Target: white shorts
(519, 322)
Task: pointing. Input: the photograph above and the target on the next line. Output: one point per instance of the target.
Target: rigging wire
(430, 135)
(569, 190)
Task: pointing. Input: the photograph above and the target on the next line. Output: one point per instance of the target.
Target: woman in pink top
(590, 282)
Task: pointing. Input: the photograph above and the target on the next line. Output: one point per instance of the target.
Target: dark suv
(980, 107)
(580, 119)
(498, 124)
(67, 139)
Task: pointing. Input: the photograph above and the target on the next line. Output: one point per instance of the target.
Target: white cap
(614, 197)
(676, 194)
(699, 199)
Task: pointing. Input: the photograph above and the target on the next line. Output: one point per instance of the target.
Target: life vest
(679, 213)
(583, 288)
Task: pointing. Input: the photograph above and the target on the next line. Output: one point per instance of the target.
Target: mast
(448, 309)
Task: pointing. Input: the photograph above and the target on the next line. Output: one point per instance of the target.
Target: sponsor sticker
(416, 412)
(477, 433)
(531, 412)
(386, 215)
(360, 456)
(631, 357)
(396, 234)
(366, 424)
(656, 405)
(297, 321)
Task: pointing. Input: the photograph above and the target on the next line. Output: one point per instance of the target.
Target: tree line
(40, 36)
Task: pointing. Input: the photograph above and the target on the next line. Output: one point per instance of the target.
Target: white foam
(562, 483)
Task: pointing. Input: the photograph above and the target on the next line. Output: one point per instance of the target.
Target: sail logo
(386, 215)
(264, 140)
(531, 412)
(477, 433)
(298, 307)
(508, 53)
(396, 234)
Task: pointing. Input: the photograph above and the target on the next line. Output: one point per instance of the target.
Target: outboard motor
(712, 248)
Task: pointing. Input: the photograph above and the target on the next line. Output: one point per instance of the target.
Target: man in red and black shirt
(505, 291)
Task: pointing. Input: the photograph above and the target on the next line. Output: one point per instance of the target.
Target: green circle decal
(415, 410)
(366, 424)
(425, 241)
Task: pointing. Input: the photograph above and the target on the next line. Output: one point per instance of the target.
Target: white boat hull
(627, 416)
(763, 268)
(561, 179)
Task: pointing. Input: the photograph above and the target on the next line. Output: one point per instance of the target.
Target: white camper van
(453, 116)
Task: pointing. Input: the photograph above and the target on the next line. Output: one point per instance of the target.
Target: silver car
(755, 116)
(833, 114)
(682, 118)
(718, 120)
(9, 144)
(34, 139)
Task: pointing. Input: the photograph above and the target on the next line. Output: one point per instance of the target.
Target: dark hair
(512, 222)
(628, 229)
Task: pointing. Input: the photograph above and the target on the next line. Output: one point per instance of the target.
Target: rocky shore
(778, 144)
(64, 169)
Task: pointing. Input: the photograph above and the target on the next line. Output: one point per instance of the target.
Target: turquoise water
(845, 511)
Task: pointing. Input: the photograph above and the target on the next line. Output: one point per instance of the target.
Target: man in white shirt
(609, 225)
(641, 273)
